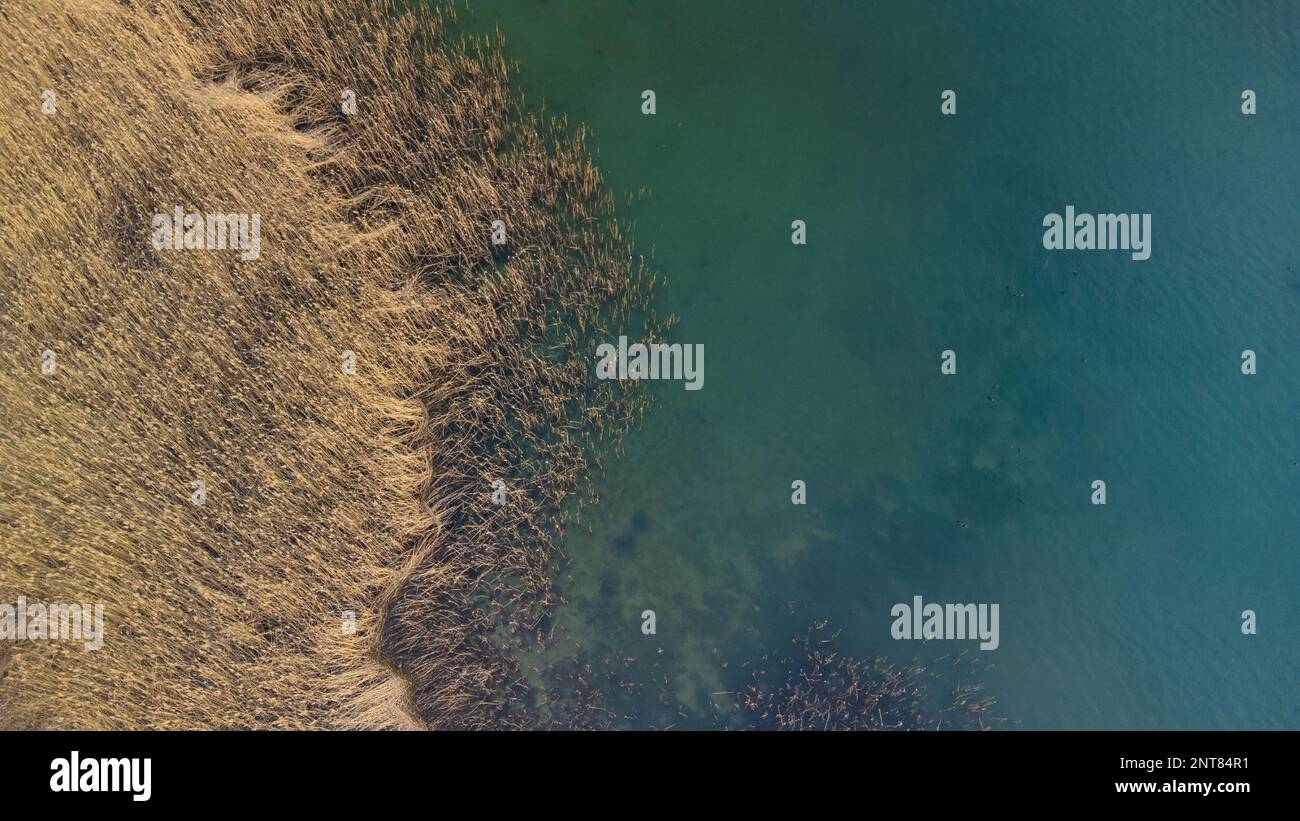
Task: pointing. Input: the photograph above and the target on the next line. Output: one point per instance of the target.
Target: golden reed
(324, 491)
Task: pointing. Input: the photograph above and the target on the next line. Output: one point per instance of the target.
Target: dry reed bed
(326, 492)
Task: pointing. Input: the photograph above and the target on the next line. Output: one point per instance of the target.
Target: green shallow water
(924, 234)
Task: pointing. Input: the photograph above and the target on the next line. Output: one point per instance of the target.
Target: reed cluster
(818, 688)
(326, 491)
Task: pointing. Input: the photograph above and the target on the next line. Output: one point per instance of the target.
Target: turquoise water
(924, 234)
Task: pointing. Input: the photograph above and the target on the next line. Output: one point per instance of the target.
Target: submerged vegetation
(818, 688)
(328, 491)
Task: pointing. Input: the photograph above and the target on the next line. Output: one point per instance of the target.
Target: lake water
(924, 234)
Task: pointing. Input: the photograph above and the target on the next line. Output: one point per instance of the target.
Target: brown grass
(326, 492)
